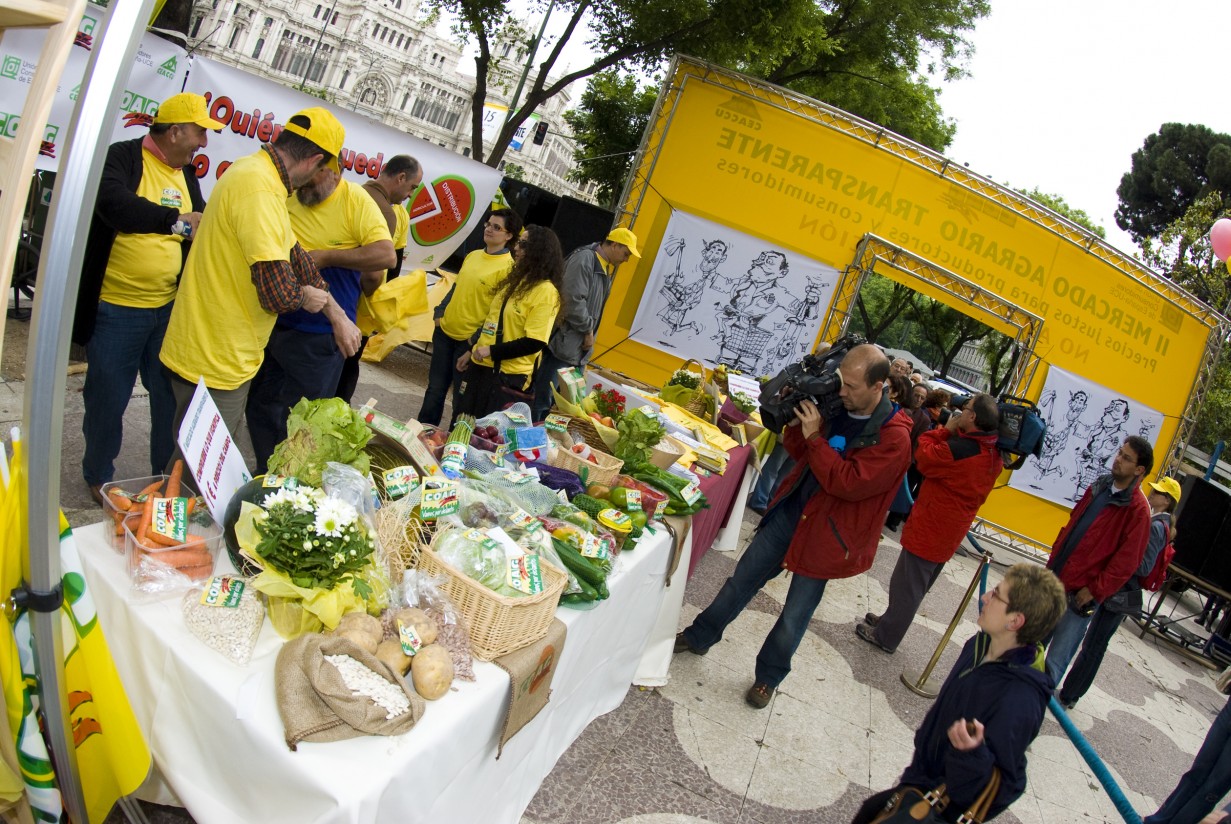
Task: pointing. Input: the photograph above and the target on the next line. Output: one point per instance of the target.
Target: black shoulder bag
(511, 388)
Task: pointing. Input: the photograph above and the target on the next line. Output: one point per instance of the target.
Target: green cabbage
(318, 432)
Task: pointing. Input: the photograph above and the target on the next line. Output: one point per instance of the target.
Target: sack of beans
(226, 614)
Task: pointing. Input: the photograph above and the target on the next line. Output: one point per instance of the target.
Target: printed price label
(557, 423)
(501, 451)
(223, 591)
(170, 519)
(517, 418)
(399, 481)
(632, 500)
(592, 547)
(410, 640)
(279, 481)
(518, 478)
(692, 492)
(439, 499)
(525, 575)
(524, 520)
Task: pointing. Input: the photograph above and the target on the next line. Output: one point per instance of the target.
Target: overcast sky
(1061, 94)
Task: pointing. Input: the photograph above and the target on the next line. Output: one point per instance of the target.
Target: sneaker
(758, 695)
(871, 619)
(682, 645)
(868, 634)
(96, 492)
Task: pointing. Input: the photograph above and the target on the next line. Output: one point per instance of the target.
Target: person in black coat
(149, 204)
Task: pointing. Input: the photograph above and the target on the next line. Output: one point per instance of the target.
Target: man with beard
(246, 268)
(343, 230)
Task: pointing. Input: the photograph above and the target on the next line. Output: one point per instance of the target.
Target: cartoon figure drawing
(741, 339)
(1105, 439)
(682, 297)
(1058, 434)
(799, 313)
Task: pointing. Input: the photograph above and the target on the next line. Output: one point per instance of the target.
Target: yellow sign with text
(812, 181)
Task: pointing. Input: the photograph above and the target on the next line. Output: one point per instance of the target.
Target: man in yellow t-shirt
(345, 233)
(461, 313)
(149, 203)
(246, 268)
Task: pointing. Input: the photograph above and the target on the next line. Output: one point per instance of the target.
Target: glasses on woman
(995, 593)
(495, 227)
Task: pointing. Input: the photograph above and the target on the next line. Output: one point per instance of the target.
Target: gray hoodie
(586, 287)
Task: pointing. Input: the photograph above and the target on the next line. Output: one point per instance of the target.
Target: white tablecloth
(217, 739)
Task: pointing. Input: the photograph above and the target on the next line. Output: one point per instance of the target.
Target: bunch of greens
(685, 378)
(318, 432)
(744, 402)
(317, 541)
(639, 433)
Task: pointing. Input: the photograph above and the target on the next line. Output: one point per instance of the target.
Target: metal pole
(534, 49)
(920, 685)
(328, 16)
(47, 358)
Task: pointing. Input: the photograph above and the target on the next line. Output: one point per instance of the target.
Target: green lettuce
(318, 432)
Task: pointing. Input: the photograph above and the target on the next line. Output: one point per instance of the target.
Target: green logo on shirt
(167, 69)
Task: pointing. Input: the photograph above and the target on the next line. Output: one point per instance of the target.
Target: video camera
(815, 378)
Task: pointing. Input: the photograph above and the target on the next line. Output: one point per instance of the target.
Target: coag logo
(167, 69)
(133, 102)
(11, 67)
(9, 124)
(88, 24)
(75, 93)
(50, 135)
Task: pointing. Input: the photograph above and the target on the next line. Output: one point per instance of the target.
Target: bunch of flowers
(744, 402)
(685, 378)
(317, 541)
(610, 403)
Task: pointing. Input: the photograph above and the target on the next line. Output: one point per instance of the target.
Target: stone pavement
(841, 726)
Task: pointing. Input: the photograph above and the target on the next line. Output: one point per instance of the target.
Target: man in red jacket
(824, 521)
(1100, 547)
(959, 463)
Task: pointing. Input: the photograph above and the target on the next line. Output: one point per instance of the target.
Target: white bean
(361, 681)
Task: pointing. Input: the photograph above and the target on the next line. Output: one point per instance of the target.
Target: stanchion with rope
(921, 684)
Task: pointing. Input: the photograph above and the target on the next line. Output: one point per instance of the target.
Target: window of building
(234, 37)
(196, 27)
(465, 151)
(401, 39)
(316, 14)
(376, 31)
(345, 77)
(405, 100)
(269, 23)
(334, 21)
(260, 44)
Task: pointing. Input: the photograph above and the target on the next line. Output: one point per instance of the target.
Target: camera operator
(824, 521)
(959, 463)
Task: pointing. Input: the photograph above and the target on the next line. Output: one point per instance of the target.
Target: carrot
(177, 475)
(197, 573)
(147, 510)
(121, 501)
(192, 504)
(182, 557)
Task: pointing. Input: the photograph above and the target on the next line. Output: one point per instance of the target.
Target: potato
(362, 629)
(390, 652)
(358, 637)
(418, 620)
(432, 671)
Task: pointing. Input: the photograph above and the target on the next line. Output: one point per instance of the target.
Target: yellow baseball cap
(625, 237)
(323, 129)
(1167, 486)
(187, 108)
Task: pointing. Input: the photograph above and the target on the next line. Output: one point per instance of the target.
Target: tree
(1170, 172)
(879, 304)
(945, 328)
(1061, 207)
(1182, 251)
(1002, 357)
(607, 125)
(514, 171)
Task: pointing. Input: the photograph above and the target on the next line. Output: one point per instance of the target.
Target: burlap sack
(315, 703)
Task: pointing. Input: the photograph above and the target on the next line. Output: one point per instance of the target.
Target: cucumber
(590, 506)
(581, 568)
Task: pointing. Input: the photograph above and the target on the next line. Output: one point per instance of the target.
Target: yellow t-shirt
(477, 281)
(529, 315)
(402, 232)
(142, 269)
(218, 327)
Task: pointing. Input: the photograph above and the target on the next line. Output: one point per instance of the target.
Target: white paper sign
(211, 454)
(1086, 424)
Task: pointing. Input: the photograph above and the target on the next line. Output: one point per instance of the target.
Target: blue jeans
(125, 344)
(771, 473)
(1206, 781)
(442, 375)
(1103, 625)
(1065, 639)
(544, 380)
(761, 563)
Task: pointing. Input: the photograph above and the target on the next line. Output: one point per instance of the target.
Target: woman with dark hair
(461, 313)
(500, 367)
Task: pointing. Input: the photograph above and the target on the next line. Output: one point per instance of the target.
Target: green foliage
(319, 432)
(879, 304)
(514, 171)
(1061, 207)
(607, 124)
(1170, 172)
(639, 433)
(315, 541)
(1182, 251)
(1214, 420)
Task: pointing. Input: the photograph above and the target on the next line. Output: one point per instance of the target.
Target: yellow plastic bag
(391, 302)
(415, 327)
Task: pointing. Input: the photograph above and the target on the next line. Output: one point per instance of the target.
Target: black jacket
(119, 209)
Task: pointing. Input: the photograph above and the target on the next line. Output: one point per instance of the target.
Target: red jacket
(840, 529)
(958, 473)
(1111, 550)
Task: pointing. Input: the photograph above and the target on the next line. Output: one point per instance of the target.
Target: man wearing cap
(1099, 550)
(246, 268)
(587, 284)
(1163, 497)
(149, 204)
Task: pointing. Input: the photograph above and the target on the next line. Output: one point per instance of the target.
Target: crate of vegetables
(123, 498)
(170, 545)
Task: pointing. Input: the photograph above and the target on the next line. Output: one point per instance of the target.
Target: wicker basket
(498, 625)
(697, 405)
(592, 433)
(600, 468)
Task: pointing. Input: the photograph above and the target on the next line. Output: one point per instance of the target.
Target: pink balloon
(1220, 238)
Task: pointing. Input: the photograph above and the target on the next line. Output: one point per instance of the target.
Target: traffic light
(540, 133)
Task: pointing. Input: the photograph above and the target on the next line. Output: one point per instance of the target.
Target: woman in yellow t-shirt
(461, 313)
(499, 369)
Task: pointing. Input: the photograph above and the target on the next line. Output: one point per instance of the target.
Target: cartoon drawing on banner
(724, 297)
(1086, 424)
